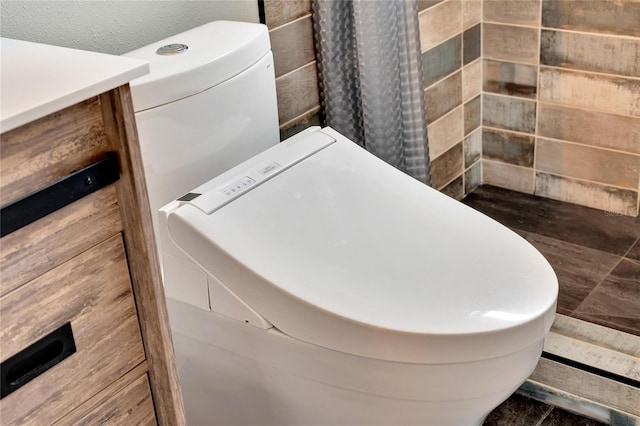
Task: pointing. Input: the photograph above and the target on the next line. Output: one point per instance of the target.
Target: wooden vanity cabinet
(90, 267)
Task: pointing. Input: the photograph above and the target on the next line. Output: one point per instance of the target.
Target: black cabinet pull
(59, 194)
(31, 362)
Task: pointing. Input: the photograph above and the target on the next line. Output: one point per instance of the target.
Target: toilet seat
(338, 249)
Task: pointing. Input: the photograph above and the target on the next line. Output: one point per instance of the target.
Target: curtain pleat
(370, 78)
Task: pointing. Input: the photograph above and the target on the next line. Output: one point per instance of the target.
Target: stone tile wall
(450, 36)
(561, 100)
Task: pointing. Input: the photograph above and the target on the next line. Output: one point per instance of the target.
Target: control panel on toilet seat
(220, 191)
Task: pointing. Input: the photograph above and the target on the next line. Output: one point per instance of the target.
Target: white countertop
(37, 79)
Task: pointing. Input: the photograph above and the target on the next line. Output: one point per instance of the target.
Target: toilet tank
(208, 103)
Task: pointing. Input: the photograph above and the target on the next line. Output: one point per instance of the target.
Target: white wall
(113, 26)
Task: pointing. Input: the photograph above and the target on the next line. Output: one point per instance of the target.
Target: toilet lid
(341, 250)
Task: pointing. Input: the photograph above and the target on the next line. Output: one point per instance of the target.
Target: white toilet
(308, 282)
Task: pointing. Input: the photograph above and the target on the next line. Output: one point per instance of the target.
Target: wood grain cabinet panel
(90, 265)
(131, 406)
(93, 292)
(50, 148)
(30, 251)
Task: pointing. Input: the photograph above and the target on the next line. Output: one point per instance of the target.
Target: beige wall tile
(508, 43)
(297, 92)
(507, 176)
(508, 113)
(603, 16)
(471, 80)
(595, 91)
(278, 12)
(443, 97)
(292, 45)
(584, 162)
(508, 147)
(447, 166)
(439, 23)
(589, 127)
(471, 12)
(507, 78)
(522, 12)
(586, 193)
(614, 55)
(445, 132)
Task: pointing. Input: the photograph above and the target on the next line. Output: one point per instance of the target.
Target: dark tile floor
(522, 411)
(595, 254)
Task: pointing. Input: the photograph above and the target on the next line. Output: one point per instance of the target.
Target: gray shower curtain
(370, 78)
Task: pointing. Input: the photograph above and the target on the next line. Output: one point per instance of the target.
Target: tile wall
(561, 100)
(450, 39)
(291, 34)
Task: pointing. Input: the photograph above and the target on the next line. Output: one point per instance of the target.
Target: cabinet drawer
(50, 148)
(47, 243)
(131, 406)
(93, 292)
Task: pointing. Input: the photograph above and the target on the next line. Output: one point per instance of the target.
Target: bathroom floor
(595, 254)
(522, 411)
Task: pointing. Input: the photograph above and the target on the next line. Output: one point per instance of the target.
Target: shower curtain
(370, 78)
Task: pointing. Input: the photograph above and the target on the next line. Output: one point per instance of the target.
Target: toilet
(307, 281)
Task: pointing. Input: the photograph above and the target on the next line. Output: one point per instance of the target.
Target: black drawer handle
(31, 362)
(59, 194)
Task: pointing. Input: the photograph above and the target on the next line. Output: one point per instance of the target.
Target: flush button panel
(238, 186)
(243, 178)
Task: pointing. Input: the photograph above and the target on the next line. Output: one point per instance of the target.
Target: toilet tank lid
(215, 52)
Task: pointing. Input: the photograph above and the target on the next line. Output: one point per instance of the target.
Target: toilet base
(234, 374)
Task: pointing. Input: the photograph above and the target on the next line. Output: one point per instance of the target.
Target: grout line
(582, 108)
(515, 132)
(308, 15)
(536, 125)
(593, 290)
(520, 62)
(545, 415)
(290, 123)
(450, 113)
(597, 73)
(503, 163)
(564, 105)
(509, 24)
(563, 30)
(596, 34)
(296, 70)
(617, 151)
(482, 94)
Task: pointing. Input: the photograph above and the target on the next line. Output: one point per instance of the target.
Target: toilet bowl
(310, 282)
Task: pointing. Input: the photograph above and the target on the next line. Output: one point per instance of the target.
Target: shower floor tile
(634, 253)
(595, 255)
(519, 410)
(616, 301)
(563, 221)
(579, 269)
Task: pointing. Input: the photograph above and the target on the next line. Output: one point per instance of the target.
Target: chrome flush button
(172, 49)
